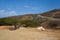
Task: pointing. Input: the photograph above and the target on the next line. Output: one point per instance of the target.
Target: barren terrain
(28, 34)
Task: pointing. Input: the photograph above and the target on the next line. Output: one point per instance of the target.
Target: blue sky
(21, 7)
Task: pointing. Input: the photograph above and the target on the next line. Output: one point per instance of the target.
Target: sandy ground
(28, 34)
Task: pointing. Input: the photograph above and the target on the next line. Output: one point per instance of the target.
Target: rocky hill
(53, 13)
(49, 17)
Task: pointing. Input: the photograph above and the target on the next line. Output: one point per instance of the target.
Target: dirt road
(29, 34)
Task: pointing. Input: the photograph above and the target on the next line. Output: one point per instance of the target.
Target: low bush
(51, 24)
(29, 23)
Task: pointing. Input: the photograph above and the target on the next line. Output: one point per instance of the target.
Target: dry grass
(28, 34)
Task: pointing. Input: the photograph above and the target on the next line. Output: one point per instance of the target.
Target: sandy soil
(28, 34)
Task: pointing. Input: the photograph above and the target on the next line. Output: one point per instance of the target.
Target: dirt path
(29, 34)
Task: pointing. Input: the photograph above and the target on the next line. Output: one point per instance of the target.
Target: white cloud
(12, 12)
(6, 13)
(32, 7)
(2, 10)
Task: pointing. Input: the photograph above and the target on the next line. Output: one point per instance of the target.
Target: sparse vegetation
(34, 20)
(51, 24)
(53, 13)
(10, 21)
(54, 24)
(30, 23)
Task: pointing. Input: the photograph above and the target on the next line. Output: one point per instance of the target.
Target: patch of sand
(29, 34)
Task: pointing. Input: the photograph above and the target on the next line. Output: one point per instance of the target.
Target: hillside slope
(53, 13)
(50, 16)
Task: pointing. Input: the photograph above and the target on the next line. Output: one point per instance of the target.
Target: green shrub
(30, 23)
(11, 21)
